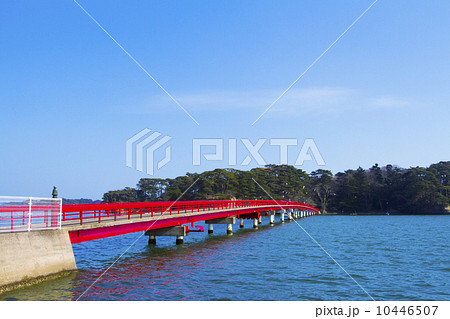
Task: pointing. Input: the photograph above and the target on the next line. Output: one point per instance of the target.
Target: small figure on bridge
(55, 192)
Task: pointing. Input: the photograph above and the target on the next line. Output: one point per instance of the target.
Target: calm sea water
(391, 257)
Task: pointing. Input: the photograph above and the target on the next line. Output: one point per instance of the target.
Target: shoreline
(384, 214)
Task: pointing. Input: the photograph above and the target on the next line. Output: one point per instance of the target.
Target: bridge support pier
(152, 240)
(289, 214)
(229, 221)
(260, 220)
(282, 216)
(241, 225)
(210, 229)
(255, 223)
(178, 231)
(230, 229)
(272, 219)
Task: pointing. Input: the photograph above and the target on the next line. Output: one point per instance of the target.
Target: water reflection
(172, 272)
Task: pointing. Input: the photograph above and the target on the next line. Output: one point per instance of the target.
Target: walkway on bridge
(93, 221)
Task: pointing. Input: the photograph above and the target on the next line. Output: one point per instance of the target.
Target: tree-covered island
(387, 189)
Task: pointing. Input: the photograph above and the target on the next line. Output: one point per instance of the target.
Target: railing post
(81, 218)
(60, 213)
(29, 214)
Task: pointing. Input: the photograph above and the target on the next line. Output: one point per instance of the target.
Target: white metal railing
(18, 214)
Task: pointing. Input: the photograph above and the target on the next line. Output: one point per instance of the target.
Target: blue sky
(70, 97)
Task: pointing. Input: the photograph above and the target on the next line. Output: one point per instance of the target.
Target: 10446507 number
(404, 310)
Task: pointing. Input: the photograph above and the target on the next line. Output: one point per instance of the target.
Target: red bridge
(93, 221)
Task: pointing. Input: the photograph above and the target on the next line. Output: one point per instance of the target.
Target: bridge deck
(89, 222)
(94, 221)
(146, 217)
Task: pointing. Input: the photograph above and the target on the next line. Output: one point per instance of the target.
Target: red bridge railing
(88, 213)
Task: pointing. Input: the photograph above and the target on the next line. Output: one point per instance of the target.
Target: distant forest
(377, 189)
(66, 201)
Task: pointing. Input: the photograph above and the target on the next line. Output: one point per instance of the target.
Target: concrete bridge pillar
(289, 214)
(255, 223)
(178, 231)
(152, 240)
(282, 216)
(260, 220)
(229, 221)
(229, 229)
(272, 219)
(241, 225)
(210, 229)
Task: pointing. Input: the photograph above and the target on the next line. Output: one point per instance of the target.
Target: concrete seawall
(28, 255)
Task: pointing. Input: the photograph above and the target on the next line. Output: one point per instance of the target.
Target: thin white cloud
(388, 102)
(297, 102)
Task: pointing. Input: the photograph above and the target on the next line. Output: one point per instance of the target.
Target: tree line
(377, 189)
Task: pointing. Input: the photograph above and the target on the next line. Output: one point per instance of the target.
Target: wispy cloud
(298, 102)
(388, 102)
